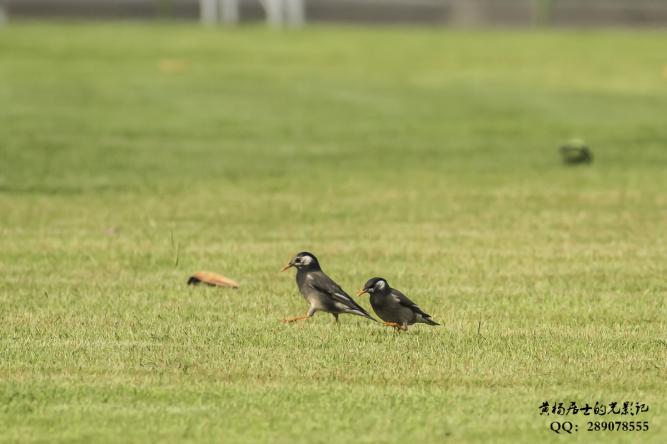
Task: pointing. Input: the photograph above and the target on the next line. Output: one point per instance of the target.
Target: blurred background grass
(133, 155)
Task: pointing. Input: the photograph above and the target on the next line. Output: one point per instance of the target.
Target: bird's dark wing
(325, 284)
(406, 302)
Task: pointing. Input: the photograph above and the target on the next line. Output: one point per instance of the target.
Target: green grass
(428, 157)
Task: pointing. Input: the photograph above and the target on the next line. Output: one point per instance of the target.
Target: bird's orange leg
(397, 327)
(393, 324)
(298, 318)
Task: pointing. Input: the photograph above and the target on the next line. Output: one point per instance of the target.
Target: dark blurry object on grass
(576, 152)
(212, 279)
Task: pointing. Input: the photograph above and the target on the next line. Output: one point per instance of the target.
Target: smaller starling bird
(321, 293)
(393, 307)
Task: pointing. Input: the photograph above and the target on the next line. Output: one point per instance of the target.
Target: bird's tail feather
(364, 314)
(429, 321)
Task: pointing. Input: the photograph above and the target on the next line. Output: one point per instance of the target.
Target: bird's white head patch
(380, 284)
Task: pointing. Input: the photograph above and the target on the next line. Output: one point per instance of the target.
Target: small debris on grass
(111, 231)
(172, 66)
(576, 152)
(212, 279)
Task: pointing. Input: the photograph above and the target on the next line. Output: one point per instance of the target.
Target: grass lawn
(132, 155)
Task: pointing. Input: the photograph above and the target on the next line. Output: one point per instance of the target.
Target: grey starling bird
(322, 293)
(393, 307)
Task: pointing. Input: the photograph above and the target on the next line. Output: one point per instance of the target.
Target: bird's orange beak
(362, 291)
(286, 267)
